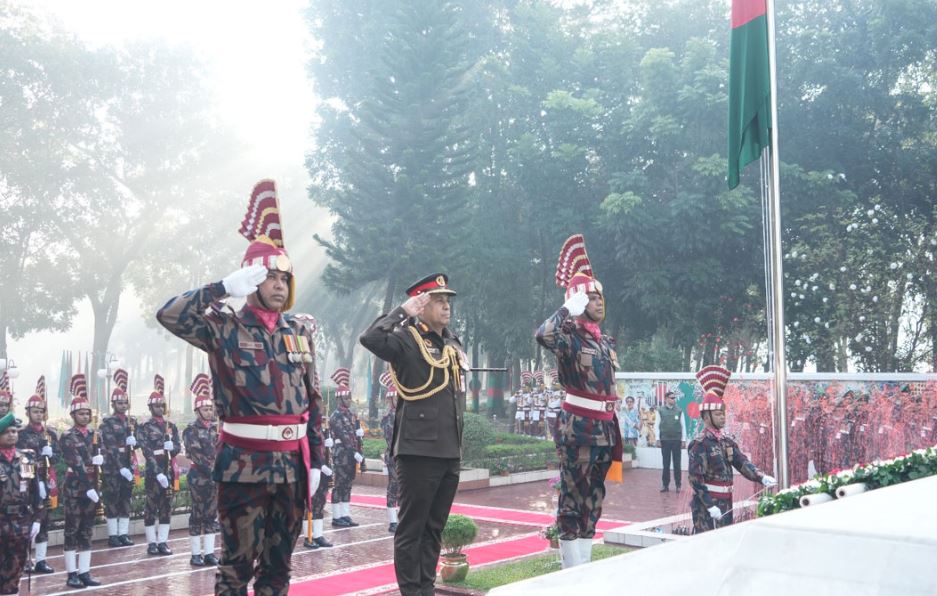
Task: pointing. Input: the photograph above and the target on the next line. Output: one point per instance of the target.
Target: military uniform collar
(247, 317)
(425, 331)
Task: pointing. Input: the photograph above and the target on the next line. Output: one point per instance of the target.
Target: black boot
(73, 581)
(42, 567)
(151, 549)
(310, 545)
(87, 580)
(163, 549)
(340, 522)
(350, 522)
(321, 541)
(210, 559)
(392, 528)
(114, 541)
(197, 561)
(125, 540)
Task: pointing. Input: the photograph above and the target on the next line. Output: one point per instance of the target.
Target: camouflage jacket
(251, 375)
(584, 364)
(19, 486)
(712, 460)
(114, 432)
(77, 451)
(200, 442)
(342, 424)
(31, 438)
(150, 438)
(387, 426)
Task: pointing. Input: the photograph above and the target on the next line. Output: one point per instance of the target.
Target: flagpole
(776, 266)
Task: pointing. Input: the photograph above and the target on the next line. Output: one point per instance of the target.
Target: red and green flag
(749, 86)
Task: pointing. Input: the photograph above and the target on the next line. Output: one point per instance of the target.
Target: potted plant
(552, 534)
(458, 532)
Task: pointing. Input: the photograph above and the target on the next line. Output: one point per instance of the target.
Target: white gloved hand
(314, 477)
(34, 531)
(131, 441)
(326, 470)
(768, 480)
(127, 474)
(576, 304)
(513, 400)
(359, 432)
(329, 442)
(42, 491)
(244, 281)
(93, 495)
(46, 451)
(163, 481)
(359, 458)
(97, 460)
(715, 512)
(168, 446)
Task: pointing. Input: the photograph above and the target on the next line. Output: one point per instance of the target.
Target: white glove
(34, 531)
(576, 304)
(329, 442)
(513, 399)
(163, 481)
(93, 495)
(359, 432)
(46, 451)
(314, 477)
(167, 445)
(359, 458)
(97, 460)
(244, 281)
(127, 474)
(131, 441)
(715, 512)
(42, 491)
(326, 470)
(768, 480)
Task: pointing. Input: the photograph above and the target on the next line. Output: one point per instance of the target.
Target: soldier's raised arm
(550, 334)
(380, 338)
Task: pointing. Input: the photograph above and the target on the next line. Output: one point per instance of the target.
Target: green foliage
(477, 434)
(650, 356)
(458, 532)
(374, 448)
(522, 449)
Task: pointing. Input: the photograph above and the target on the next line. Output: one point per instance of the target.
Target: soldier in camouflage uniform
(588, 438)
(80, 492)
(21, 505)
(263, 373)
(712, 456)
(43, 442)
(118, 441)
(346, 452)
(316, 539)
(159, 440)
(387, 427)
(200, 438)
(6, 396)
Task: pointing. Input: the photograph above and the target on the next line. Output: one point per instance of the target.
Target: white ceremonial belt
(718, 488)
(265, 432)
(158, 452)
(588, 404)
(120, 450)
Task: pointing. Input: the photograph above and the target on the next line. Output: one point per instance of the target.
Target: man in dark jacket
(670, 440)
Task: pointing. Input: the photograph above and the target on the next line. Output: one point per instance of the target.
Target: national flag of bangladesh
(749, 86)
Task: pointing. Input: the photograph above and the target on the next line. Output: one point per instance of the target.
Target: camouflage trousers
(43, 535)
(318, 498)
(79, 522)
(117, 493)
(259, 527)
(203, 518)
(158, 505)
(343, 475)
(393, 488)
(582, 489)
(14, 533)
(703, 522)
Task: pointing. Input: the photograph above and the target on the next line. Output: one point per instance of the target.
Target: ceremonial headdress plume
(714, 380)
(341, 376)
(201, 388)
(574, 269)
(527, 377)
(6, 395)
(79, 390)
(38, 399)
(122, 383)
(41, 387)
(158, 395)
(388, 382)
(263, 229)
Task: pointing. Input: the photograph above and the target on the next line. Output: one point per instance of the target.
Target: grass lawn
(492, 576)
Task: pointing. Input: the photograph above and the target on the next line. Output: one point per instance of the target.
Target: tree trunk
(105, 316)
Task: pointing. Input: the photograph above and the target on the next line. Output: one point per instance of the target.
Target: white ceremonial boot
(569, 553)
(585, 550)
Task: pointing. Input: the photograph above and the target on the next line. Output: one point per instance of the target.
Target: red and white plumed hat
(262, 228)
(158, 396)
(388, 382)
(6, 394)
(38, 399)
(527, 377)
(714, 379)
(79, 390)
(341, 376)
(573, 268)
(201, 389)
(121, 383)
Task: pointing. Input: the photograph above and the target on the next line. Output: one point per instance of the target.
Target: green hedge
(374, 448)
(525, 449)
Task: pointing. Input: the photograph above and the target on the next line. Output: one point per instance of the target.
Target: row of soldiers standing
(536, 410)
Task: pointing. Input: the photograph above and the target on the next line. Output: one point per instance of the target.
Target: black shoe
(73, 581)
(350, 522)
(678, 488)
(310, 545)
(210, 559)
(392, 528)
(113, 541)
(42, 567)
(125, 540)
(163, 549)
(197, 561)
(321, 541)
(87, 580)
(665, 489)
(340, 522)
(151, 549)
